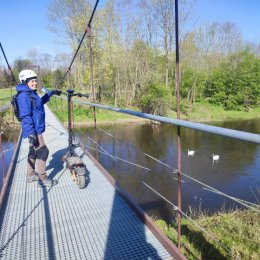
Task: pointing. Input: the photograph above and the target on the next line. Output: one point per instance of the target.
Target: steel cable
(6, 150)
(87, 28)
(120, 159)
(8, 64)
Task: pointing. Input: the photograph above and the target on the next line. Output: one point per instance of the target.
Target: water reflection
(9, 139)
(236, 173)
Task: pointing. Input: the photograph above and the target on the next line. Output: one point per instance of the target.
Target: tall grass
(237, 235)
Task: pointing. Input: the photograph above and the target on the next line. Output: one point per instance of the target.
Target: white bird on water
(215, 157)
(190, 153)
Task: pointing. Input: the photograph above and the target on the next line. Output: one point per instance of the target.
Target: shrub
(155, 99)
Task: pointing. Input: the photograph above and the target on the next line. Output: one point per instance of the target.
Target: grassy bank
(237, 235)
(200, 112)
(206, 112)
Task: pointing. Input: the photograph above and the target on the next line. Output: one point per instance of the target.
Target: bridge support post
(2, 158)
(89, 34)
(70, 93)
(177, 88)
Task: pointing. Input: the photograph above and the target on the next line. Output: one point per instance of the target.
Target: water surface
(237, 173)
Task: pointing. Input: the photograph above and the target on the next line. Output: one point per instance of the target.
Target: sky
(24, 23)
(244, 13)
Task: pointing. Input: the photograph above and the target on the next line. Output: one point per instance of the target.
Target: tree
(235, 84)
(6, 79)
(20, 64)
(216, 41)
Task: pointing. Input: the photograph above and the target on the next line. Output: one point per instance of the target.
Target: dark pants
(34, 163)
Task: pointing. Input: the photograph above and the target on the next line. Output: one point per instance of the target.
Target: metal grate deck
(64, 222)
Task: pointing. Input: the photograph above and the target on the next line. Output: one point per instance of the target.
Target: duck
(215, 157)
(190, 153)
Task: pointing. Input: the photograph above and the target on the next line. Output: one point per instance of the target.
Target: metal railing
(240, 135)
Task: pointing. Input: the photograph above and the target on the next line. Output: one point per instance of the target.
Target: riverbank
(226, 236)
(200, 112)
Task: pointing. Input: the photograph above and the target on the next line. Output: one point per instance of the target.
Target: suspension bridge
(65, 222)
(100, 221)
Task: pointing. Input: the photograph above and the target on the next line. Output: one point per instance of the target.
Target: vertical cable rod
(177, 86)
(89, 34)
(2, 159)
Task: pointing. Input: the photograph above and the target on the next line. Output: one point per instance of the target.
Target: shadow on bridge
(56, 163)
(127, 238)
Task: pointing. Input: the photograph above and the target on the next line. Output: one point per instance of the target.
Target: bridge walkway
(65, 222)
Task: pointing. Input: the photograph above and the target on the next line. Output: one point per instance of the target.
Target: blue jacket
(31, 109)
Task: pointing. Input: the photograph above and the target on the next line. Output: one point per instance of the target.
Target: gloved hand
(33, 139)
(56, 92)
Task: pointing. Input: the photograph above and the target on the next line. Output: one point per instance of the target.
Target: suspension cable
(106, 152)
(14, 80)
(87, 29)
(118, 158)
(6, 151)
(8, 64)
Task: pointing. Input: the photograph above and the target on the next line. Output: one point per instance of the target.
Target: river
(236, 173)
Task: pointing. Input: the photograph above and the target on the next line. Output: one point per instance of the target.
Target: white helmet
(25, 75)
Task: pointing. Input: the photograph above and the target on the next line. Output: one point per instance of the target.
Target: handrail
(240, 135)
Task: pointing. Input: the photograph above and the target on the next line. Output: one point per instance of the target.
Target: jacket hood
(22, 87)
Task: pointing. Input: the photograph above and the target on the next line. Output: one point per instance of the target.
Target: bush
(235, 83)
(156, 99)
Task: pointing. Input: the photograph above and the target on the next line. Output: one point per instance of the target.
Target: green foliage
(187, 77)
(52, 79)
(6, 80)
(155, 99)
(47, 80)
(20, 64)
(192, 84)
(233, 235)
(235, 84)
